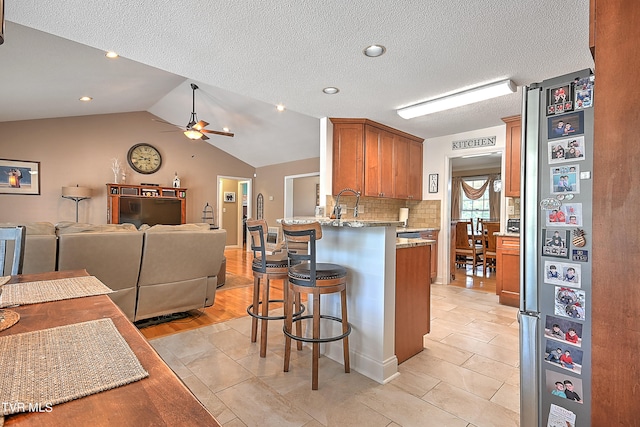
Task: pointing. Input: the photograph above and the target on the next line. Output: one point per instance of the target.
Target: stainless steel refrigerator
(555, 286)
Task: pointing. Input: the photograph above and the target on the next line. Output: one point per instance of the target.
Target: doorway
(481, 164)
(234, 206)
(301, 194)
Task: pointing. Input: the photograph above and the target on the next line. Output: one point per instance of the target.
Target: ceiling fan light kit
(458, 99)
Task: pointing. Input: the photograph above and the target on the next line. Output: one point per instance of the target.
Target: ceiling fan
(195, 129)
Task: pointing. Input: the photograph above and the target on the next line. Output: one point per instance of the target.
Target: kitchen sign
(489, 141)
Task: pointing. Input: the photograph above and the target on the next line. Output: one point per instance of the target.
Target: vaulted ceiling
(248, 56)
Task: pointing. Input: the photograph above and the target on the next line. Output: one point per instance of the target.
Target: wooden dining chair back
(12, 241)
(467, 250)
(489, 230)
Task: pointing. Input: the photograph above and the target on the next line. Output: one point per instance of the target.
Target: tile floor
(467, 374)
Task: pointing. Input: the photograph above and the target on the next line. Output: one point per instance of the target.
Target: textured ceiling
(248, 56)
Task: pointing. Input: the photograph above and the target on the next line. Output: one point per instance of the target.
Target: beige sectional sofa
(154, 271)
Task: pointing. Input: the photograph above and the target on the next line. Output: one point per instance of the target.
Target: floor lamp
(76, 194)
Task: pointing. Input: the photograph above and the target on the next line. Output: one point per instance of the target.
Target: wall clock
(144, 158)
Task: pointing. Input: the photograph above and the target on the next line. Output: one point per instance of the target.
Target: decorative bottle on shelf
(176, 181)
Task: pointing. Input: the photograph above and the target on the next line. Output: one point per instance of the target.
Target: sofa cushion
(113, 257)
(39, 247)
(178, 263)
(75, 227)
(182, 227)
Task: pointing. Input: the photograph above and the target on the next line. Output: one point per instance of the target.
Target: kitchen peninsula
(367, 248)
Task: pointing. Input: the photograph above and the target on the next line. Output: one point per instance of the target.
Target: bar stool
(311, 278)
(266, 267)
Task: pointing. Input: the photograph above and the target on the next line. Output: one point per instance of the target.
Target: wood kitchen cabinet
(376, 160)
(378, 168)
(413, 300)
(508, 270)
(415, 170)
(432, 235)
(348, 156)
(408, 168)
(511, 180)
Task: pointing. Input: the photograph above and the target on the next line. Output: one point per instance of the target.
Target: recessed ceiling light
(331, 90)
(86, 98)
(111, 54)
(280, 107)
(374, 50)
(226, 129)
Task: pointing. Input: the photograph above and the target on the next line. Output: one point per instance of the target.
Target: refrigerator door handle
(529, 197)
(530, 401)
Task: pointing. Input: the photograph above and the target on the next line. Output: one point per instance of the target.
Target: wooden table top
(160, 399)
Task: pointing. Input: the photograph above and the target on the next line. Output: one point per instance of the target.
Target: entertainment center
(146, 204)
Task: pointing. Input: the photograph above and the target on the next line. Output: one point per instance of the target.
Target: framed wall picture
(19, 177)
(433, 183)
(229, 197)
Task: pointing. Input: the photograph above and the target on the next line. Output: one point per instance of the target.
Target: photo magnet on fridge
(563, 356)
(559, 99)
(583, 93)
(563, 386)
(565, 125)
(563, 329)
(555, 243)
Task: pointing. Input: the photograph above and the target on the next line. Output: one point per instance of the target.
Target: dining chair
(489, 230)
(12, 238)
(467, 250)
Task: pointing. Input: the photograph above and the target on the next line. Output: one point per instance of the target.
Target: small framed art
(229, 197)
(433, 183)
(19, 177)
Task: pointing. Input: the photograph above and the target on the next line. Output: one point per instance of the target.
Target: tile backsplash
(513, 207)
(422, 213)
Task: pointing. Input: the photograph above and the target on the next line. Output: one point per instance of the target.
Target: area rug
(233, 281)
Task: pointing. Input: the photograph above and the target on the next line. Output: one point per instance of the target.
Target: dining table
(160, 399)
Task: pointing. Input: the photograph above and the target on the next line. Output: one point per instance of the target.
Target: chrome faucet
(337, 210)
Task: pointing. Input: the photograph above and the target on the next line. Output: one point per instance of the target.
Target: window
(473, 209)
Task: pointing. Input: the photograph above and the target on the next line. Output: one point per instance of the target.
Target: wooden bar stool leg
(264, 322)
(316, 345)
(298, 304)
(256, 303)
(345, 328)
(288, 313)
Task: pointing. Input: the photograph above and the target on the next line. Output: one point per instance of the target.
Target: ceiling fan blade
(200, 125)
(217, 132)
(166, 123)
(204, 137)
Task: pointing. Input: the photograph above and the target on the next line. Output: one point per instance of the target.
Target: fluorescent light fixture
(459, 99)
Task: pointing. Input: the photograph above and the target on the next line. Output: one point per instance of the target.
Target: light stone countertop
(507, 234)
(402, 242)
(416, 229)
(346, 222)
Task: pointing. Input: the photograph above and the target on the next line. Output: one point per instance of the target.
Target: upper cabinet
(511, 181)
(376, 160)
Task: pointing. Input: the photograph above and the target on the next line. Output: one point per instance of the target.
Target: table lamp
(76, 194)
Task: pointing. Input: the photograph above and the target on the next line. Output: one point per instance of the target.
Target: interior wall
(230, 209)
(79, 150)
(270, 182)
(305, 194)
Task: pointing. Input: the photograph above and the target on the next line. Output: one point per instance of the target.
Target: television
(150, 210)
